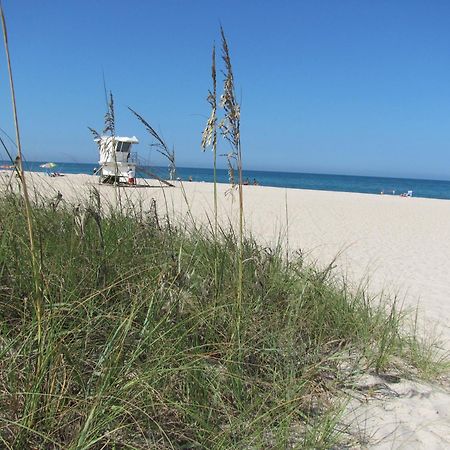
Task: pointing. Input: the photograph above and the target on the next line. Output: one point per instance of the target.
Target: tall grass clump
(137, 355)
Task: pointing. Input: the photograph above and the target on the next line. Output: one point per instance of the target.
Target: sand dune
(400, 246)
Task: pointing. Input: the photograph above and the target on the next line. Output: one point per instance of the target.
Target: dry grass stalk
(95, 133)
(31, 405)
(110, 127)
(19, 158)
(230, 124)
(209, 135)
(16, 169)
(209, 139)
(110, 118)
(230, 129)
(159, 144)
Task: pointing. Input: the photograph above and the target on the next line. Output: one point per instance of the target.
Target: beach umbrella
(49, 165)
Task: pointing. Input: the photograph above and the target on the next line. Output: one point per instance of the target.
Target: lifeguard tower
(117, 162)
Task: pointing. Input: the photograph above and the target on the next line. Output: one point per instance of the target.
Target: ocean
(342, 183)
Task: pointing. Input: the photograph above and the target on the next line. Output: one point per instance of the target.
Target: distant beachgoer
(17, 166)
(190, 178)
(131, 179)
(246, 182)
(255, 182)
(393, 192)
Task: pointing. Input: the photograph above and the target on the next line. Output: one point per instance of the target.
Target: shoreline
(365, 184)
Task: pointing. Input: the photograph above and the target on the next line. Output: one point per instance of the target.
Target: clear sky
(327, 86)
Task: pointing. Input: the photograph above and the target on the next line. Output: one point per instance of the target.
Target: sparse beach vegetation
(137, 344)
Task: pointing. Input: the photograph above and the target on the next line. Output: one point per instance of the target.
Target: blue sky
(338, 86)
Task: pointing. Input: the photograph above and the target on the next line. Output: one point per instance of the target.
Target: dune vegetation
(131, 338)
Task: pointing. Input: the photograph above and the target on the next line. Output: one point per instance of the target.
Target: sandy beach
(397, 246)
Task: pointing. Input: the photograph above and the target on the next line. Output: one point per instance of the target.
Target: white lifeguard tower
(117, 162)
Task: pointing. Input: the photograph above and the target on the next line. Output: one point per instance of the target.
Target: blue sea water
(343, 183)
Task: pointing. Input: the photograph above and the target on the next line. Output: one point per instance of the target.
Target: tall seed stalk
(209, 135)
(110, 128)
(209, 139)
(31, 406)
(19, 159)
(230, 130)
(159, 144)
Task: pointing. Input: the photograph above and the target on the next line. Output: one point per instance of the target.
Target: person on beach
(17, 165)
(131, 179)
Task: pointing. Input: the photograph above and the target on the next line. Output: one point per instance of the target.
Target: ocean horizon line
(419, 178)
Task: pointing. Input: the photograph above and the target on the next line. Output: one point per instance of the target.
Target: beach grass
(137, 346)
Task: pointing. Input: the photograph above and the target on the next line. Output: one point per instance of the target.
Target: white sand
(398, 245)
